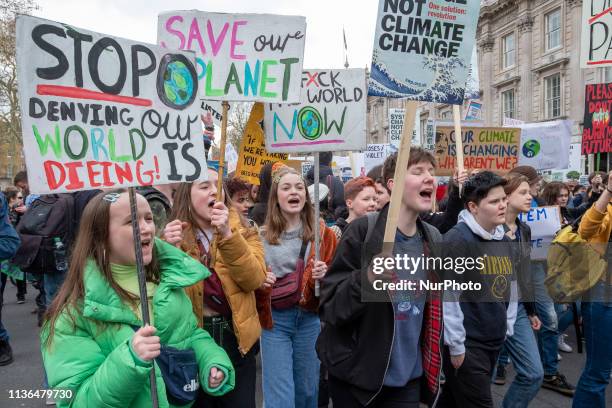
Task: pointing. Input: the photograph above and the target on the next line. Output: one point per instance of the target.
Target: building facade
(529, 68)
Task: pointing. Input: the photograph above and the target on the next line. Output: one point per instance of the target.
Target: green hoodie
(95, 362)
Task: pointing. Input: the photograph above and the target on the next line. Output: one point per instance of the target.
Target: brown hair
(235, 185)
(417, 155)
(182, 208)
(355, 186)
(91, 244)
(275, 222)
(552, 191)
(514, 180)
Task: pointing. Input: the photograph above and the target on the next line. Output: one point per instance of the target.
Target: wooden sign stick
(222, 150)
(458, 140)
(400, 174)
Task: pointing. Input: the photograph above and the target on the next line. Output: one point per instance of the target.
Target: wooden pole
(458, 140)
(317, 216)
(400, 174)
(142, 284)
(222, 150)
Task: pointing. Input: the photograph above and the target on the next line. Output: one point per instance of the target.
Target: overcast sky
(137, 20)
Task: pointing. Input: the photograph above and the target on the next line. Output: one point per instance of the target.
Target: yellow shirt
(127, 278)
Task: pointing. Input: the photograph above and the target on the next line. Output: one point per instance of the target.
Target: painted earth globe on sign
(310, 123)
(178, 84)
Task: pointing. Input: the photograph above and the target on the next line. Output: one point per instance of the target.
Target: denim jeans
(52, 284)
(290, 367)
(3, 333)
(548, 335)
(565, 315)
(522, 348)
(597, 323)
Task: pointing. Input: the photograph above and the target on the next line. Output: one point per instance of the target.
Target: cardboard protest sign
(597, 130)
(423, 49)
(484, 148)
(376, 154)
(231, 157)
(430, 135)
(331, 115)
(511, 122)
(596, 40)
(544, 223)
(545, 145)
(252, 155)
(99, 111)
(474, 111)
(240, 57)
(396, 124)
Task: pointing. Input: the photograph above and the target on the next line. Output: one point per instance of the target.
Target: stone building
(529, 68)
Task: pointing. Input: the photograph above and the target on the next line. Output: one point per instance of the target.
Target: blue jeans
(548, 335)
(597, 323)
(565, 314)
(52, 284)
(522, 347)
(290, 366)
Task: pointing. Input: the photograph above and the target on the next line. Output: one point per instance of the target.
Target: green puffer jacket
(94, 360)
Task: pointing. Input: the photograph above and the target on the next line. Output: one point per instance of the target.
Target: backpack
(49, 217)
(574, 266)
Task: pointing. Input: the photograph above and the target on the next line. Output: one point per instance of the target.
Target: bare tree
(10, 115)
(237, 121)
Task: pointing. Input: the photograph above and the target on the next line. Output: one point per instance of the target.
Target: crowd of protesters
(231, 279)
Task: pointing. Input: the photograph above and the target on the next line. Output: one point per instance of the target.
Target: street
(25, 373)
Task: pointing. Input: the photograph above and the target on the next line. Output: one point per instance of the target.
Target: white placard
(544, 223)
(596, 33)
(330, 117)
(545, 145)
(396, 124)
(125, 114)
(240, 57)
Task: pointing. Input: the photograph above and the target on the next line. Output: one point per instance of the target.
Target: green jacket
(95, 361)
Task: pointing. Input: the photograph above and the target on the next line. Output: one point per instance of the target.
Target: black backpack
(49, 217)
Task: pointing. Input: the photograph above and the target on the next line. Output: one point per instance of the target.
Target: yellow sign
(252, 155)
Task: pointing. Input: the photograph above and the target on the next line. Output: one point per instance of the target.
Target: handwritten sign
(331, 115)
(240, 57)
(484, 148)
(544, 223)
(99, 111)
(252, 155)
(423, 49)
(376, 154)
(597, 131)
(596, 34)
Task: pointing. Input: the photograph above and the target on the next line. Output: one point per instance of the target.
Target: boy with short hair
(475, 322)
(383, 352)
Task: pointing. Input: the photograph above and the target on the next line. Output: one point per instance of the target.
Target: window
(446, 115)
(508, 55)
(9, 170)
(553, 29)
(508, 106)
(552, 96)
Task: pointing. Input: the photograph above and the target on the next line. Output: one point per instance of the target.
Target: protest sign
(597, 131)
(596, 34)
(396, 124)
(484, 148)
(474, 111)
(544, 223)
(511, 122)
(331, 115)
(231, 157)
(100, 111)
(240, 57)
(545, 145)
(430, 135)
(376, 154)
(252, 155)
(306, 166)
(423, 49)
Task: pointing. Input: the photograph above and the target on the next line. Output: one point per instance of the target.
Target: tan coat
(239, 263)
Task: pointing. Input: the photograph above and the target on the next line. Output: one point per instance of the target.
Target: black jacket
(445, 220)
(524, 269)
(336, 187)
(356, 340)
